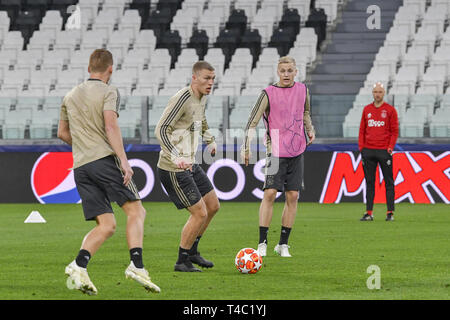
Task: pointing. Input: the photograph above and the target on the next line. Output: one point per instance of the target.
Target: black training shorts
(185, 188)
(283, 174)
(99, 183)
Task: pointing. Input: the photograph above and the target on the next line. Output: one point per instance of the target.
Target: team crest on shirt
(384, 114)
(369, 115)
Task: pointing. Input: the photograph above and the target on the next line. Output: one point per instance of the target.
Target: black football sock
(284, 235)
(193, 250)
(83, 258)
(136, 257)
(183, 255)
(263, 234)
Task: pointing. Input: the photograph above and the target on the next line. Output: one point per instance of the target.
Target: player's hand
(245, 156)
(212, 148)
(389, 150)
(127, 172)
(183, 163)
(311, 136)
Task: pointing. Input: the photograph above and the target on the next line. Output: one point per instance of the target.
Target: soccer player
(88, 122)
(178, 131)
(285, 107)
(378, 133)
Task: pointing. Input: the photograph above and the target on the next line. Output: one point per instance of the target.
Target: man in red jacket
(378, 133)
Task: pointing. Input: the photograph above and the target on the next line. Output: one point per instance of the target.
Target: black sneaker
(186, 266)
(366, 217)
(390, 217)
(199, 260)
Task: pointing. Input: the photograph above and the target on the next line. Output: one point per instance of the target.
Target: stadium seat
(28, 60)
(52, 21)
(439, 125)
(131, 20)
(210, 21)
(425, 102)
(397, 38)
(27, 22)
(283, 40)
(184, 21)
(12, 7)
(170, 40)
(276, 7)
(439, 60)
(146, 39)
(15, 123)
(13, 42)
(416, 57)
(249, 6)
(158, 21)
(136, 59)
(42, 123)
(228, 41)
(242, 60)
(222, 6)
(330, 8)
(413, 122)
(142, 6)
(215, 102)
(442, 5)
(425, 38)
(264, 22)
(251, 39)
(418, 6)
(302, 7)
(129, 122)
(197, 5)
(42, 80)
(237, 20)
(94, 39)
(406, 79)
(350, 126)
(121, 41)
(214, 117)
(199, 41)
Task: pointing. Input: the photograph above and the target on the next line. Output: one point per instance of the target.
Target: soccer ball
(248, 260)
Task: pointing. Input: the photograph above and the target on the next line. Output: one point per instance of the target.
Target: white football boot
(282, 250)
(79, 279)
(262, 249)
(141, 276)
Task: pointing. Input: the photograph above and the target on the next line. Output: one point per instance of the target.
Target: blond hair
(100, 60)
(200, 65)
(287, 59)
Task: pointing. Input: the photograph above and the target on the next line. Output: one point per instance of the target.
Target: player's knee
(202, 214)
(270, 195)
(143, 213)
(292, 197)
(212, 209)
(109, 229)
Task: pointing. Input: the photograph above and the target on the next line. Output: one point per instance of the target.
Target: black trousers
(371, 158)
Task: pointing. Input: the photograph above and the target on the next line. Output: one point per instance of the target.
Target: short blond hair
(100, 60)
(287, 59)
(200, 65)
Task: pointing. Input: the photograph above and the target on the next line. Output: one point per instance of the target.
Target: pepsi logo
(52, 178)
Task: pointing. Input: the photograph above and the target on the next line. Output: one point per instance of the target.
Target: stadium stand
(415, 70)
(45, 46)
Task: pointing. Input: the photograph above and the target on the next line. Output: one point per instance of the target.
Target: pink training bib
(285, 120)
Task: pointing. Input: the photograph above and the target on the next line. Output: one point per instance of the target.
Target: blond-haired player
(88, 122)
(182, 123)
(285, 108)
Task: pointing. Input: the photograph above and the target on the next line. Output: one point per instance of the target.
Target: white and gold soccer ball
(248, 260)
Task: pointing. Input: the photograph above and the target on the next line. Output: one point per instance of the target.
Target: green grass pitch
(331, 252)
